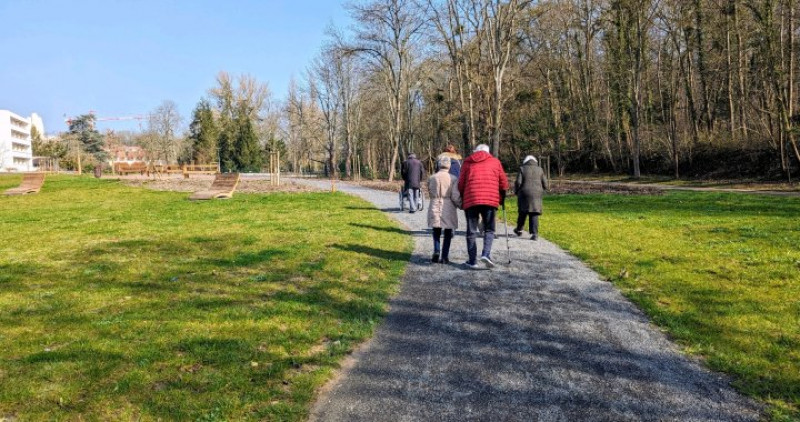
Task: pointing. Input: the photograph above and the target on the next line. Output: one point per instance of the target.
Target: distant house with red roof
(127, 154)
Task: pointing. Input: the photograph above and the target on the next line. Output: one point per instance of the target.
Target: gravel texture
(540, 339)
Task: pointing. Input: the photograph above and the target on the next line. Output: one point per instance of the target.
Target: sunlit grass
(119, 303)
(721, 272)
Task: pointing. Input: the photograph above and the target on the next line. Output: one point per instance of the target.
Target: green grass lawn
(720, 272)
(119, 303)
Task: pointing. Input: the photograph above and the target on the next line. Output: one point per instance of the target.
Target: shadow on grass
(423, 232)
(249, 258)
(354, 207)
(383, 229)
(74, 355)
(18, 272)
(377, 253)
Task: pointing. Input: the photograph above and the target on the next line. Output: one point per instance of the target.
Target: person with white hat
(530, 186)
(483, 184)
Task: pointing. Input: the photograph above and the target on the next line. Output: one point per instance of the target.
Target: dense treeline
(699, 87)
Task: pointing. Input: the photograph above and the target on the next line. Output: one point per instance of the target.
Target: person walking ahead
(529, 187)
(455, 159)
(443, 209)
(413, 173)
(482, 185)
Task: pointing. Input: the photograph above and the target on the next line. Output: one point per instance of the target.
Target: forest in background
(700, 88)
(687, 89)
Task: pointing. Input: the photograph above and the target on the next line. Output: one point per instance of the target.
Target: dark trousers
(444, 247)
(486, 213)
(533, 222)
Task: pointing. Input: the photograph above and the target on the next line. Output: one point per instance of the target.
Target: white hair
(443, 161)
(482, 147)
(530, 158)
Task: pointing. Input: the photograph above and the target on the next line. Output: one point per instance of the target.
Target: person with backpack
(443, 209)
(529, 187)
(482, 184)
(413, 173)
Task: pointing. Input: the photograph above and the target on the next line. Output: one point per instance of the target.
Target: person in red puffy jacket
(483, 185)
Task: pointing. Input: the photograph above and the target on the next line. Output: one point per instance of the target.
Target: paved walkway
(541, 339)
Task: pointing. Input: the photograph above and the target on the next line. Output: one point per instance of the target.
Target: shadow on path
(542, 338)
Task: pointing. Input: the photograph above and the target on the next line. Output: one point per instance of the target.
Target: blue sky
(125, 57)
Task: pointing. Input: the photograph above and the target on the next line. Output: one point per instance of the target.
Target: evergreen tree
(204, 134)
(227, 139)
(248, 154)
(90, 139)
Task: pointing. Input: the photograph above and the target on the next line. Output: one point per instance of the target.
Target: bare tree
(451, 19)
(501, 23)
(386, 34)
(248, 93)
(323, 86)
(164, 125)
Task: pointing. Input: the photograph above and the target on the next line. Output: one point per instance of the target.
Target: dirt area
(250, 185)
(380, 184)
(735, 184)
(574, 188)
(179, 184)
(556, 188)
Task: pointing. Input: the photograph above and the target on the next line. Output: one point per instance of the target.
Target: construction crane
(138, 117)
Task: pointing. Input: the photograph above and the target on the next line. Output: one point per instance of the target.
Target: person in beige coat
(445, 200)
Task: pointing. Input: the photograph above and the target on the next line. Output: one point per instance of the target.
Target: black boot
(435, 258)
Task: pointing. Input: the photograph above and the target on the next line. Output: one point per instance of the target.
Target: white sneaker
(488, 262)
(471, 266)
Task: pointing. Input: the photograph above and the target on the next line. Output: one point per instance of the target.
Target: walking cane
(505, 223)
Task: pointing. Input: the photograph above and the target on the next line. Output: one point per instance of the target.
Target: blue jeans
(486, 213)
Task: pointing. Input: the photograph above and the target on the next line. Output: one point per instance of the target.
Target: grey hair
(443, 161)
(482, 147)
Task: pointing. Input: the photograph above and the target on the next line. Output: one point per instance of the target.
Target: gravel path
(541, 339)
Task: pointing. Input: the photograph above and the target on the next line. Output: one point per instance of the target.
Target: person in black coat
(530, 185)
(413, 174)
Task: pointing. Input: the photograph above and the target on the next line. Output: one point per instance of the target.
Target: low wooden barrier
(125, 168)
(189, 169)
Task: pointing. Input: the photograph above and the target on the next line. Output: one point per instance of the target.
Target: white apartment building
(16, 153)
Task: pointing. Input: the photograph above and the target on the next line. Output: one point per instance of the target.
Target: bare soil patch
(200, 183)
(577, 188)
(556, 188)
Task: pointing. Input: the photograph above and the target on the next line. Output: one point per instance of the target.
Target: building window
(19, 123)
(19, 135)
